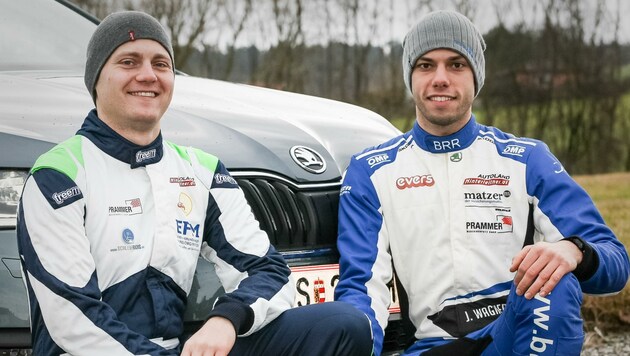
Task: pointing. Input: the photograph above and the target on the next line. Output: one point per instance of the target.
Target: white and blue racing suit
(448, 214)
(110, 233)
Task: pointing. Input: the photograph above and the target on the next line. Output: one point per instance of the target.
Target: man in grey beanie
(491, 241)
(110, 236)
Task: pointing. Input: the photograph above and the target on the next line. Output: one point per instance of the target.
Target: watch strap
(590, 262)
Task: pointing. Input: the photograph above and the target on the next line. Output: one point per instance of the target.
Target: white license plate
(316, 284)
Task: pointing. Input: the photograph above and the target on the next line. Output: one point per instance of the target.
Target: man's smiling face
(135, 86)
(443, 87)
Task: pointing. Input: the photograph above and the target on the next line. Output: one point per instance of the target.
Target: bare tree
(466, 7)
(552, 84)
(235, 21)
(99, 9)
(284, 65)
(185, 20)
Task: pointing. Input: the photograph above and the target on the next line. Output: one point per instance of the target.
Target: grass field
(611, 193)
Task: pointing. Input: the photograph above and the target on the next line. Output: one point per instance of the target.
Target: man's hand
(215, 338)
(540, 267)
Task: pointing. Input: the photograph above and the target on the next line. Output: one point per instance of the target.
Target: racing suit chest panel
(135, 220)
(475, 206)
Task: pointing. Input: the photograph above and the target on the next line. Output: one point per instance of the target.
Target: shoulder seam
(397, 143)
(507, 140)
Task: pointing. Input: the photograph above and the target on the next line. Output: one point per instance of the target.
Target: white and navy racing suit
(109, 235)
(448, 214)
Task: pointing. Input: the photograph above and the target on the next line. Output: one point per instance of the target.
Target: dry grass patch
(611, 193)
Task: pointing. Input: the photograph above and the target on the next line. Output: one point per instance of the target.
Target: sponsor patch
(415, 181)
(488, 179)
(345, 190)
(65, 195)
(221, 179)
(129, 242)
(185, 203)
(375, 160)
(502, 224)
(127, 236)
(129, 207)
(183, 181)
(541, 327)
(514, 150)
(407, 144)
(188, 235)
(142, 156)
(443, 145)
(486, 197)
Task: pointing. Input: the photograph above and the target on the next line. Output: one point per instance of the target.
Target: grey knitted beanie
(445, 29)
(115, 30)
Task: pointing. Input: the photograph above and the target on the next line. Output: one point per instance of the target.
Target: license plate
(316, 284)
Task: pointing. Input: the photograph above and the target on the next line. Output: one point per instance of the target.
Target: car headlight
(11, 184)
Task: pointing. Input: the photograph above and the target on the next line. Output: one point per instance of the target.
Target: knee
(351, 320)
(564, 299)
(349, 326)
(550, 324)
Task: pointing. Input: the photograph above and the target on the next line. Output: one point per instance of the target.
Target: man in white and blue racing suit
(113, 220)
(490, 238)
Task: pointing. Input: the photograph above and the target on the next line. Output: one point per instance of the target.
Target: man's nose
(440, 77)
(146, 72)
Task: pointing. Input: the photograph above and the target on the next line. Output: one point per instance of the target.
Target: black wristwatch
(577, 242)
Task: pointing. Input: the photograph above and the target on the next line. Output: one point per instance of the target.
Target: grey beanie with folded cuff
(445, 29)
(115, 30)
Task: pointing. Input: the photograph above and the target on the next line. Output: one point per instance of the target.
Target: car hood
(249, 128)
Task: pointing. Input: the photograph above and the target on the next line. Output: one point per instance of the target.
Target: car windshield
(42, 35)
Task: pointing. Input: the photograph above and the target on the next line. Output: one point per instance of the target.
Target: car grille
(293, 216)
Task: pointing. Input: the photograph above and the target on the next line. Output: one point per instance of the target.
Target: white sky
(395, 17)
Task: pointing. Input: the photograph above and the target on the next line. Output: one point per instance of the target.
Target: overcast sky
(397, 16)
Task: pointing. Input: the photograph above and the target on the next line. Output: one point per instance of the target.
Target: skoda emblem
(308, 158)
(456, 157)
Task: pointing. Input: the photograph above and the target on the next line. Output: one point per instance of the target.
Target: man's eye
(127, 62)
(423, 65)
(458, 65)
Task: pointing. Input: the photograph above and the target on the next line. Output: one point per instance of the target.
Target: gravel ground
(598, 343)
(614, 343)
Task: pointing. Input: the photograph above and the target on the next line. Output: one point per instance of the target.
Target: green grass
(400, 123)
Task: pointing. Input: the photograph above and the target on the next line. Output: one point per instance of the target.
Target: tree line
(562, 76)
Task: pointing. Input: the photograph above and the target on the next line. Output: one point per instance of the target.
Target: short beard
(442, 120)
(462, 112)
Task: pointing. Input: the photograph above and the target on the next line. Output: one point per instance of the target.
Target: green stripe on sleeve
(206, 160)
(181, 151)
(62, 158)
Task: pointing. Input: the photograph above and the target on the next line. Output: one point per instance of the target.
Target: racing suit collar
(110, 142)
(443, 144)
